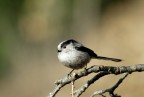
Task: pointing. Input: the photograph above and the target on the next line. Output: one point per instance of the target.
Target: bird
(75, 55)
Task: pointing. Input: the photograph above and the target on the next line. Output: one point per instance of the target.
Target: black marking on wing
(64, 44)
(87, 50)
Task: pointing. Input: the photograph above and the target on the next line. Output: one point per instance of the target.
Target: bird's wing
(87, 50)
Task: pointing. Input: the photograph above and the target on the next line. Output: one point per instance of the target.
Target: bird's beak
(58, 50)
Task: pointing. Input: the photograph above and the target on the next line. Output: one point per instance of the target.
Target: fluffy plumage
(74, 55)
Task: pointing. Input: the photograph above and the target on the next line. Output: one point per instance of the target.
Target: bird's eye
(64, 46)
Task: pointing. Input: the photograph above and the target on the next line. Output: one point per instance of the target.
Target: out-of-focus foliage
(9, 11)
(107, 3)
(4, 61)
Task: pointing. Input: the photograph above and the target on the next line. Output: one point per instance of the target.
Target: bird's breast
(74, 59)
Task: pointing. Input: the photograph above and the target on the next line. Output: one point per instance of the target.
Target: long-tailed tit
(74, 55)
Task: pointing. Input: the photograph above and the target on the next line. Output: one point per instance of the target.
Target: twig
(89, 82)
(66, 80)
(112, 89)
(95, 69)
(72, 88)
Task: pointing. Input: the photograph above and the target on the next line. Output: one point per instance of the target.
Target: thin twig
(112, 89)
(72, 88)
(89, 82)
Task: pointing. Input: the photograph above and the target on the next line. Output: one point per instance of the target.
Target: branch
(89, 82)
(95, 69)
(112, 89)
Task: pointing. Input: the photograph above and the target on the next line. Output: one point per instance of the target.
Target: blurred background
(30, 31)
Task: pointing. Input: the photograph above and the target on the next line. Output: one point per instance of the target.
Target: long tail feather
(110, 59)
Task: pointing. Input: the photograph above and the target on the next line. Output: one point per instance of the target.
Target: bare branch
(112, 89)
(95, 69)
(89, 82)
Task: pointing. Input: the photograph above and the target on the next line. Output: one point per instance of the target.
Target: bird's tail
(110, 59)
